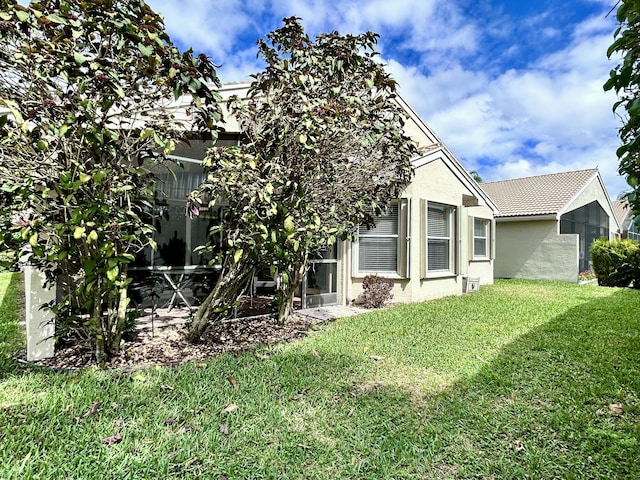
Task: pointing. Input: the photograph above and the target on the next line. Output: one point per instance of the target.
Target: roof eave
(440, 151)
(527, 218)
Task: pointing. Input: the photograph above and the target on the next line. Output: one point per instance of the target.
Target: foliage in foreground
(625, 80)
(89, 96)
(520, 380)
(323, 148)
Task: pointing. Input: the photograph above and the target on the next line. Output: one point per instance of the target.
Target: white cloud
(545, 114)
(204, 25)
(551, 116)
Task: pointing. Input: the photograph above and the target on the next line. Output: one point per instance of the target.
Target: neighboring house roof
(622, 211)
(541, 195)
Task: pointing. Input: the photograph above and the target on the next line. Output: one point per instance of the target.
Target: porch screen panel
(378, 245)
(589, 222)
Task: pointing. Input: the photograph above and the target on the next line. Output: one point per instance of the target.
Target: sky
(513, 88)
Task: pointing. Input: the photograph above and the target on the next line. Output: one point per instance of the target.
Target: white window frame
(486, 237)
(451, 238)
(402, 245)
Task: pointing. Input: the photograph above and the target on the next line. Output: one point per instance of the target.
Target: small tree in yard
(88, 95)
(323, 148)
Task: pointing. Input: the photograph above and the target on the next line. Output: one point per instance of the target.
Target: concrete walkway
(330, 312)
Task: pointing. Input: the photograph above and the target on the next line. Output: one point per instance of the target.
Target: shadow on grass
(12, 336)
(561, 401)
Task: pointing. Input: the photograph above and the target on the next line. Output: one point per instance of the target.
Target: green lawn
(521, 380)
(11, 335)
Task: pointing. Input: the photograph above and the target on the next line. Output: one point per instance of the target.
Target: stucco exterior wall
(435, 182)
(535, 250)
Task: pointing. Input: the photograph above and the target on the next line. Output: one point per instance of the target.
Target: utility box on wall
(470, 284)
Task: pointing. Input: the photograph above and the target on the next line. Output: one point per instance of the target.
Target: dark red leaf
(112, 440)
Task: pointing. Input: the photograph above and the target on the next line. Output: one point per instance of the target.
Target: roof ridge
(536, 195)
(595, 169)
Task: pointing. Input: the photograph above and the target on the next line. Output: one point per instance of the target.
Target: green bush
(616, 262)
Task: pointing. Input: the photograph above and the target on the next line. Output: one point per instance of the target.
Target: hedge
(616, 262)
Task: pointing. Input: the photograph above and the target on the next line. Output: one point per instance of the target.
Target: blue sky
(513, 88)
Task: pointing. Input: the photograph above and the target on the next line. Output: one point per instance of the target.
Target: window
(440, 220)
(378, 249)
(382, 248)
(481, 237)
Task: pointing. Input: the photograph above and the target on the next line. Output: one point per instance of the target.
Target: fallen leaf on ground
(232, 407)
(184, 428)
(517, 446)
(375, 358)
(315, 354)
(616, 408)
(224, 429)
(167, 387)
(304, 447)
(112, 440)
(94, 409)
(232, 381)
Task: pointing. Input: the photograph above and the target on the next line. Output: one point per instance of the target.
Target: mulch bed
(166, 344)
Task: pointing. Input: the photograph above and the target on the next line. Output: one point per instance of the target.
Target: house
(546, 224)
(626, 220)
(439, 233)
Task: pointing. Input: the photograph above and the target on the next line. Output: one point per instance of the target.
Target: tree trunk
(116, 336)
(97, 327)
(286, 292)
(219, 304)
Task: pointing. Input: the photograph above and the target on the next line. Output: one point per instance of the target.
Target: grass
(520, 380)
(11, 335)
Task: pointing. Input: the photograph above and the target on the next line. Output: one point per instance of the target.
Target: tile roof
(539, 195)
(622, 211)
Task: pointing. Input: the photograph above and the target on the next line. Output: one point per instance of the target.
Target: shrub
(616, 262)
(376, 291)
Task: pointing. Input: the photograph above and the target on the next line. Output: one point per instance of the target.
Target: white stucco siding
(535, 250)
(594, 191)
(434, 182)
